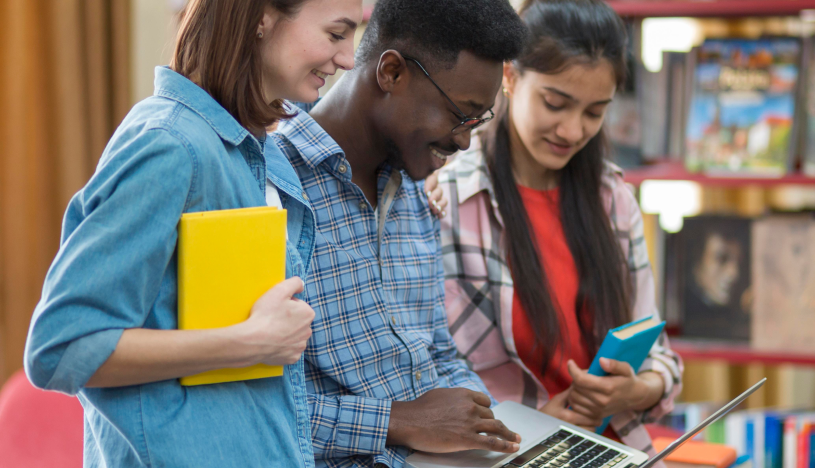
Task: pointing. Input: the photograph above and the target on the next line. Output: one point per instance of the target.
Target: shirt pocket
(410, 277)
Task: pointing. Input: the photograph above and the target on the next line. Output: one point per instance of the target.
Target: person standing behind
(105, 327)
(543, 247)
(381, 368)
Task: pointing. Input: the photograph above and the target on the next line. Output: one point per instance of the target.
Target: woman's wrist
(650, 389)
(240, 340)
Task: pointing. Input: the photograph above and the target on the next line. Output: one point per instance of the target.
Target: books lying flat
(629, 343)
(697, 454)
(226, 261)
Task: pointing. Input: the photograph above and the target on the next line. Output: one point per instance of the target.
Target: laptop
(548, 442)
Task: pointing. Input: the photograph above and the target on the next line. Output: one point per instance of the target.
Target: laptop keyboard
(567, 449)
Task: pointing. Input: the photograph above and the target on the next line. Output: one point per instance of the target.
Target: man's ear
(390, 72)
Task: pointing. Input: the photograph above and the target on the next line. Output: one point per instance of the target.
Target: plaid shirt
(380, 333)
(479, 290)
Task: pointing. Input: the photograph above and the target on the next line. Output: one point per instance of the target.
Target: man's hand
(435, 195)
(621, 390)
(448, 420)
(558, 407)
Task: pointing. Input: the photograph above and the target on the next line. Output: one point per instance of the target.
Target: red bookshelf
(675, 170)
(652, 8)
(735, 353)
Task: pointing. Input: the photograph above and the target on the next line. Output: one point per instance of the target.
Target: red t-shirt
(543, 210)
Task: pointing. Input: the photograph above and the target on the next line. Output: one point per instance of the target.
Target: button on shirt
(380, 332)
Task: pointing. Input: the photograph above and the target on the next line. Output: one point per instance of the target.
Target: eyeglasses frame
(464, 119)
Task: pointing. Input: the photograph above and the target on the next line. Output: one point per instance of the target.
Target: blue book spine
(773, 441)
(749, 439)
(812, 449)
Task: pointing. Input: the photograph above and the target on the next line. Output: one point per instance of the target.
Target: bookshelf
(719, 370)
(735, 353)
(675, 170)
(715, 8)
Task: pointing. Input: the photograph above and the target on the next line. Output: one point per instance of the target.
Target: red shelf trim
(643, 8)
(674, 170)
(736, 354)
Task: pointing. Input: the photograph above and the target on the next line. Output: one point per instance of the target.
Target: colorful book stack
(770, 438)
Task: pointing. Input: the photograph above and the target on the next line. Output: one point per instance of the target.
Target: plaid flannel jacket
(380, 333)
(479, 290)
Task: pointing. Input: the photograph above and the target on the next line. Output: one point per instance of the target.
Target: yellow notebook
(226, 261)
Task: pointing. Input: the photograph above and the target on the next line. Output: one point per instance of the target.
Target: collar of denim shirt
(171, 85)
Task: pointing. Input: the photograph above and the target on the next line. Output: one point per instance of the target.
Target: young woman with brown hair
(105, 328)
(543, 247)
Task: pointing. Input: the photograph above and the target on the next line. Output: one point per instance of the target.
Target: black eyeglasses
(467, 123)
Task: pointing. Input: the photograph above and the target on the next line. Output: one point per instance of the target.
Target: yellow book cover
(227, 260)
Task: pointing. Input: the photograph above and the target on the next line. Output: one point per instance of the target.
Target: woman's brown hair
(218, 49)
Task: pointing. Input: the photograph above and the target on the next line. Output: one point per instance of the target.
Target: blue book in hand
(629, 343)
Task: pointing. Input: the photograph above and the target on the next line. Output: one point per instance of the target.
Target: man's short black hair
(436, 31)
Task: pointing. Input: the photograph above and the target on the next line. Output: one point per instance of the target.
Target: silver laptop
(551, 443)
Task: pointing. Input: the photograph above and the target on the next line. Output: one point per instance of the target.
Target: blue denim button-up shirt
(178, 151)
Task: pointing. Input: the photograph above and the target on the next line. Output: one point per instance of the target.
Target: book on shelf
(622, 122)
(743, 106)
(652, 93)
(783, 277)
(716, 282)
(807, 114)
(770, 438)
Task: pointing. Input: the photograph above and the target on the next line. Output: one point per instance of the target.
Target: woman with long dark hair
(543, 247)
(105, 328)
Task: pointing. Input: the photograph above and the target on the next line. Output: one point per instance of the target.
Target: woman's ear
(267, 23)
(510, 78)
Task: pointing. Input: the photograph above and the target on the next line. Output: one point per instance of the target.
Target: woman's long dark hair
(564, 33)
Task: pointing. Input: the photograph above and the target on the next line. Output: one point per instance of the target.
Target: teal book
(629, 343)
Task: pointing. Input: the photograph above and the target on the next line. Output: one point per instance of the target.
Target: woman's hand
(558, 407)
(621, 390)
(435, 195)
(275, 333)
(279, 325)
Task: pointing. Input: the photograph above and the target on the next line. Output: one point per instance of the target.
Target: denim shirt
(176, 152)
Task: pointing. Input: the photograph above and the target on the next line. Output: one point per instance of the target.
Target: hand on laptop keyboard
(448, 420)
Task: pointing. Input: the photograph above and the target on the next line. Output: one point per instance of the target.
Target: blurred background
(715, 129)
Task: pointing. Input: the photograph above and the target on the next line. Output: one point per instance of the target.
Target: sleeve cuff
(81, 359)
(362, 423)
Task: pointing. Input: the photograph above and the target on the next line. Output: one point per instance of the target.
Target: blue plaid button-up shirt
(380, 332)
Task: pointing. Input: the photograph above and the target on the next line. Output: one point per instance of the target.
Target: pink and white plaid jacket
(479, 290)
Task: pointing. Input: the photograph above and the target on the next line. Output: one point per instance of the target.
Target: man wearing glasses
(381, 366)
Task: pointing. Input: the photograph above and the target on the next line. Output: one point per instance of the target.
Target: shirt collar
(313, 143)
(171, 85)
